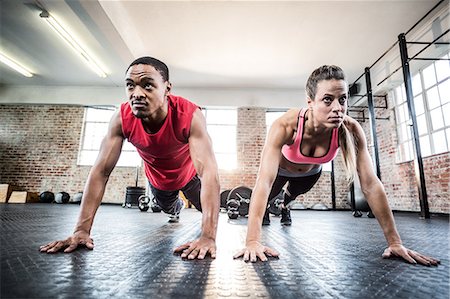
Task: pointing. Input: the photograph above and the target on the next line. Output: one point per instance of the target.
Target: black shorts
(167, 199)
(295, 187)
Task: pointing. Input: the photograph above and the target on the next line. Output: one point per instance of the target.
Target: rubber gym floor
(324, 254)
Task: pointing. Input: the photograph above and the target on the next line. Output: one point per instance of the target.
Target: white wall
(81, 95)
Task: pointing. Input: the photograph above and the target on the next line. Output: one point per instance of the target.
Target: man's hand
(411, 256)
(197, 249)
(79, 238)
(255, 250)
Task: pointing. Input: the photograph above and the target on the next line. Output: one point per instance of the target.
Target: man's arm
(202, 155)
(94, 189)
(376, 197)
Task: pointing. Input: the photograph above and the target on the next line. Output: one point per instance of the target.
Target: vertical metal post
(418, 163)
(373, 126)
(333, 187)
(352, 197)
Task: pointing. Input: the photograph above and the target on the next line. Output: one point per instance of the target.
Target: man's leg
(295, 187)
(169, 202)
(192, 192)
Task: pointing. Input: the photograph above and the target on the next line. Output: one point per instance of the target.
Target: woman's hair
(347, 142)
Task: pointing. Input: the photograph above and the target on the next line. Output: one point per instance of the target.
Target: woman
(298, 143)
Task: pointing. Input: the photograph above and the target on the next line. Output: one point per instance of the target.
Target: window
(431, 92)
(271, 116)
(221, 125)
(96, 122)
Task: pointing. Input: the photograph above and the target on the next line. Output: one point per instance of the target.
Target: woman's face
(330, 103)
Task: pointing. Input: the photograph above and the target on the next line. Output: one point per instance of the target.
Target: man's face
(146, 90)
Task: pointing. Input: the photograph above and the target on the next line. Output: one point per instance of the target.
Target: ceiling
(248, 46)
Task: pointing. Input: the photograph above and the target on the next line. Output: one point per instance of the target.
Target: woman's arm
(279, 133)
(376, 197)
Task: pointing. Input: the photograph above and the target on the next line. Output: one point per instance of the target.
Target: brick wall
(39, 146)
(399, 179)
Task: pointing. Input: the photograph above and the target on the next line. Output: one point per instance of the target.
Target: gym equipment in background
(62, 197)
(77, 198)
(145, 203)
(46, 197)
(224, 198)
(238, 201)
(357, 200)
(275, 203)
(133, 193)
(132, 196)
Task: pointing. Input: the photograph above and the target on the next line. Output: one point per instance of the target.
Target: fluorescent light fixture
(73, 43)
(15, 65)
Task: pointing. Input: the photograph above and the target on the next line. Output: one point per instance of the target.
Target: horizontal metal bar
(421, 19)
(418, 58)
(390, 75)
(390, 48)
(380, 118)
(365, 107)
(437, 38)
(363, 95)
(427, 43)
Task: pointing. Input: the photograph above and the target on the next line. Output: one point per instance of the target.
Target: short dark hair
(160, 66)
(325, 72)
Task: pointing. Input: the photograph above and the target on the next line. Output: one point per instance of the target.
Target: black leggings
(295, 187)
(167, 200)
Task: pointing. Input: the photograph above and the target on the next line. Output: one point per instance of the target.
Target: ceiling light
(15, 65)
(72, 42)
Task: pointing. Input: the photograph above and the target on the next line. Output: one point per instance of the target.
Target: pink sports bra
(293, 153)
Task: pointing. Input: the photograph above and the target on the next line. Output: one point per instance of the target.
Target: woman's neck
(312, 127)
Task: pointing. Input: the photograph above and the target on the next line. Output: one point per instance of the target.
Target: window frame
(403, 124)
(126, 148)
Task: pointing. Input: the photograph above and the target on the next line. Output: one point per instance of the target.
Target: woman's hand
(255, 250)
(411, 256)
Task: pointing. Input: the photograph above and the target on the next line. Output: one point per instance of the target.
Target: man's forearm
(210, 200)
(92, 197)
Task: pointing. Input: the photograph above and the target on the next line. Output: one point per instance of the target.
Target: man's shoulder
(182, 104)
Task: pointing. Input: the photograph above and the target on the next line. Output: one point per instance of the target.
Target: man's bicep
(200, 145)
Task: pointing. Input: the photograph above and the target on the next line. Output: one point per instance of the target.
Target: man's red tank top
(167, 161)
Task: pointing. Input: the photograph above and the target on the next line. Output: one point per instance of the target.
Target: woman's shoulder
(284, 127)
(351, 123)
(354, 127)
(289, 117)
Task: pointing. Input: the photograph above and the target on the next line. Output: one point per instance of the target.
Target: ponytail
(348, 147)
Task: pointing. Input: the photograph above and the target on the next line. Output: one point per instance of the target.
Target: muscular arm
(93, 192)
(280, 133)
(372, 187)
(202, 155)
(270, 160)
(376, 197)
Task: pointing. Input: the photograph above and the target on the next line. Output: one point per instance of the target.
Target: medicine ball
(62, 197)
(46, 197)
(77, 197)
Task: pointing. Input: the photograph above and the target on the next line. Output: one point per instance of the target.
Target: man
(170, 135)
